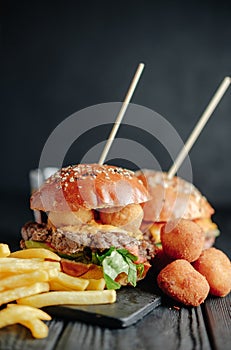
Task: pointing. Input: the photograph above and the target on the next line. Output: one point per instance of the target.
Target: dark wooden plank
(218, 316)
(165, 327)
(171, 328)
(17, 337)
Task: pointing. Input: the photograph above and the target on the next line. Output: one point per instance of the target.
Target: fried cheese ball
(216, 268)
(182, 239)
(183, 283)
(128, 218)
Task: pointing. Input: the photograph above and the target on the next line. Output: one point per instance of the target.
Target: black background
(58, 57)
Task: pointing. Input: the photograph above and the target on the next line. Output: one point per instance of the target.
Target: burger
(93, 218)
(173, 199)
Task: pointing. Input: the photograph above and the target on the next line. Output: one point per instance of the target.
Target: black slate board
(132, 304)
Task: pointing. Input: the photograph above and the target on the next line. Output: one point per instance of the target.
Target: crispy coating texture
(182, 239)
(182, 282)
(216, 267)
(129, 217)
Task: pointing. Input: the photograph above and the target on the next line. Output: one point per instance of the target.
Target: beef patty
(73, 239)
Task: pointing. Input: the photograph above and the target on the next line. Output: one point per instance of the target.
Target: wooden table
(166, 327)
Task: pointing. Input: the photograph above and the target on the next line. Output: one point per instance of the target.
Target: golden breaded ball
(182, 239)
(129, 217)
(183, 283)
(216, 268)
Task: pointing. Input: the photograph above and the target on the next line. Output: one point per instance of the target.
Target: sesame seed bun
(89, 186)
(172, 198)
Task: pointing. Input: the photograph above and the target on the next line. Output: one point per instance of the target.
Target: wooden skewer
(121, 113)
(199, 126)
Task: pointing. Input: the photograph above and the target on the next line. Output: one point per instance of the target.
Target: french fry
(35, 253)
(14, 281)
(88, 297)
(21, 292)
(4, 250)
(5, 274)
(93, 285)
(14, 313)
(27, 316)
(8, 260)
(71, 282)
(25, 311)
(52, 273)
(38, 328)
(58, 286)
(16, 265)
(96, 284)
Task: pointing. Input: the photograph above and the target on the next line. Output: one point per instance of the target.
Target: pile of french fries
(31, 279)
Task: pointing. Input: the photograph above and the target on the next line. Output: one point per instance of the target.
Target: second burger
(174, 199)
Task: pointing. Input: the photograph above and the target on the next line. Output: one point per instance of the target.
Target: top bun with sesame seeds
(175, 199)
(89, 186)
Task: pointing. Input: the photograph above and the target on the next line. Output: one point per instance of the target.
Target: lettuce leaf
(116, 261)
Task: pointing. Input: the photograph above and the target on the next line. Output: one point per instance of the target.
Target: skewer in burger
(94, 215)
(173, 199)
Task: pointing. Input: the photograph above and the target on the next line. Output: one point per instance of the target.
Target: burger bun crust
(172, 199)
(90, 186)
